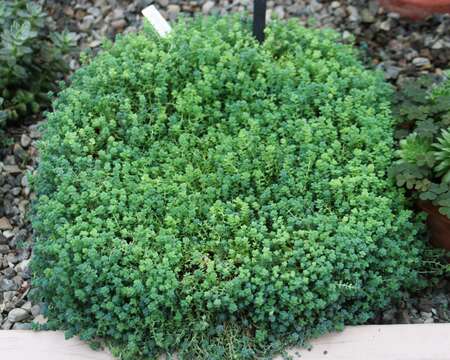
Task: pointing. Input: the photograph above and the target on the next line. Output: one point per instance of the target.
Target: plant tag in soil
(160, 24)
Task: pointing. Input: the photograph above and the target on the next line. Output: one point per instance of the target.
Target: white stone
(207, 7)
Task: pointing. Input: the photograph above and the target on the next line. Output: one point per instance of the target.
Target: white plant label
(160, 24)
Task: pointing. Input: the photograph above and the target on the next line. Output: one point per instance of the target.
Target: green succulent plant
(442, 156)
(423, 157)
(208, 195)
(31, 59)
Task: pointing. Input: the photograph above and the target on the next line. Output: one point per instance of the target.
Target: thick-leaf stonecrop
(205, 194)
(423, 157)
(31, 59)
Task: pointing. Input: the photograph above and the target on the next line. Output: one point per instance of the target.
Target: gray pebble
(35, 310)
(17, 315)
(25, 140)
(421, 61)
(207, 7)
(119, 25)
(85, 26)
(7, 325)
(172, 11)
(9, 234)
(7, 285)
(163, 3)
(22, 326)
(4, 249)
(27, 306)
(35, 133)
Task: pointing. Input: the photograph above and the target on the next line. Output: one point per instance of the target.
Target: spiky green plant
(423, 157)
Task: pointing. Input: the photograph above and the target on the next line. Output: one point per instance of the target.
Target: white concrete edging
(368, 342)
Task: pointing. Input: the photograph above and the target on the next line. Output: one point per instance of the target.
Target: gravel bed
(395, 46)
(16, 161)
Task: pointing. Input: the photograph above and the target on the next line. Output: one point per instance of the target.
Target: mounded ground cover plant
(204, 194)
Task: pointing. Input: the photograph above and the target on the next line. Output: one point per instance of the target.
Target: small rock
(353, 13)
(119, 25)
(403, 317)
(421, 62)
(118, 14)
(425, 305)
(7, 325)
(24, 181)
(438, 45)
(68, 11)
(35, 310)
(295, 9)
(9, 160)
(95, 11)
(9, 295)
(389, 315)
(4, 249)
(9, 234)
(366, 16)
(22, 326)
(23, 266)
(163, 3)
(16, 315)
(20, 153)
(385, 25)
(346, 35)
(25, 140)
(392, 72)
(18, 280)
(12, 169)
(9, 273)
(443, 314)
(95, 43)
(172, 11)
(5, 224)
(207, 7)
(335, 4)
(315, 6)
(85, 26)
(279, 11)
(426, 315)
(27, 306)
(8, 285)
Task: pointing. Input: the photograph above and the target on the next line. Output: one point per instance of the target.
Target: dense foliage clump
(423, 157)
(207, 195)
(31, 58)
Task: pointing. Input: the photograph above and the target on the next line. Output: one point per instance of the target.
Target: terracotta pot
(417, 9)
(438, 225)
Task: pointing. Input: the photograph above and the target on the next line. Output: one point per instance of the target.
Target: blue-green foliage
(423, 157)
(205, 194)
(31, 59)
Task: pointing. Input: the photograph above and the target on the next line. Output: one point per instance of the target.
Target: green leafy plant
(423, 157)
(31, 59)
(210, 196)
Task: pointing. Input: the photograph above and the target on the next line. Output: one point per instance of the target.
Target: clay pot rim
(430, 208)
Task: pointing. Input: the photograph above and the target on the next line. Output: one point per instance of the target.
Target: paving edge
(368, 342)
